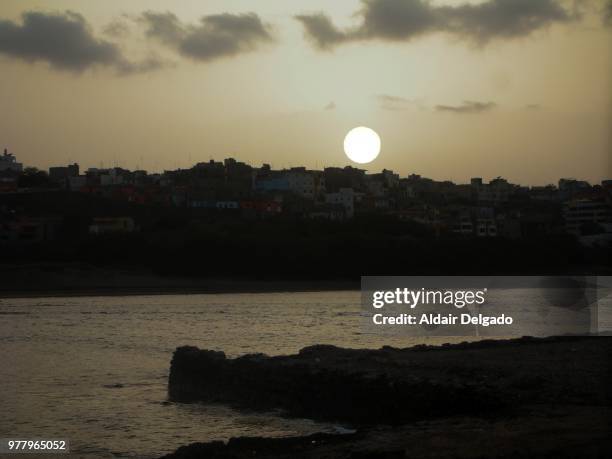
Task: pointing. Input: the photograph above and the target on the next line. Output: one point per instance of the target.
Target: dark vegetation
(175, 241)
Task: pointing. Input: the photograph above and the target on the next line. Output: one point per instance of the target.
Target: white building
(464, 225)
(78, 182)
(376, 188)
(497, 191)
(486, 227)
(586, 211)
(9, 162)
(346, 198)
(105, 225)
(300, 182)
(111, 179)
(227, 205)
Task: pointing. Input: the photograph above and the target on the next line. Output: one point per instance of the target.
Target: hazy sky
(517, 88)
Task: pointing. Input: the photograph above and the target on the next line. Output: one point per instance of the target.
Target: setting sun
(362, 145)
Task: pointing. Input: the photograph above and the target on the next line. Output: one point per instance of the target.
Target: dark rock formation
(396, 386)
(257, 446)
(553, 432)
(545, 398)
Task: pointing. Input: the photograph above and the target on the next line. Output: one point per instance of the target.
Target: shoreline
(214, 288)
(523, 397)
(551, 432)
(53, 280)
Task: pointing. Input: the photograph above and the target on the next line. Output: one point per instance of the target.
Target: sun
(362, 145)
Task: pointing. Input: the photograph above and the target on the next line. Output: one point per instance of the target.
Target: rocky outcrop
(397, 386)
(308, 385)
(551, 432)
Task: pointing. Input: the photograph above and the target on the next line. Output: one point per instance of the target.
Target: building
(344, 197)
(60, 173)
(29, 230)
(63, 174)
(271, 182)
(346, 177)
(509, 226)
(375, 187)
(301, 182)
(105, 225)
(8, 185)
(486, 227)
(570, 188)
(305, 183)
(417, 187)
(8, 162)
(479, 222)
(112, 177)
(464, 225)
(237, 171)
(260, 207)
(544, 193)
(497, 191)
(332, 212)
(584, 216)
(226, 205)
(420, 213)
(77, 182)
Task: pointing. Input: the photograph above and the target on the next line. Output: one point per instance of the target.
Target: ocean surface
(94, 370)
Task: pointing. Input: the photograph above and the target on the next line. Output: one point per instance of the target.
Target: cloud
(467, 107)
(63, 40)
(215, 36)
(320, 30)
(149, 64)
(404, 20)
(396, 103)
(117, 28)
(331, 106)
(66, 42)
(392, 99)
(505, 18)
(607, 13)
(397, 19)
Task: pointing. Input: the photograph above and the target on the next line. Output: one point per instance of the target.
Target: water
(94, 370)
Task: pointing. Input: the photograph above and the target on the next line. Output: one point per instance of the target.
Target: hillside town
(478, 209)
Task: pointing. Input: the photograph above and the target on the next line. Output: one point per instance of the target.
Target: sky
(455, 89)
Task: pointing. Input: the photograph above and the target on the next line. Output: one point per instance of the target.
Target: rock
(574, 432)
(395, 386)
(540, 397)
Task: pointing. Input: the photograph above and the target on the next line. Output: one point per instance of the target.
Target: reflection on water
(94, 370)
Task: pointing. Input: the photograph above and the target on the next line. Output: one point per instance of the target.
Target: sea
(94, 370)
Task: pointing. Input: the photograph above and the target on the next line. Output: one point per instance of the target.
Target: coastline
(214, 288)
(525, 397)
(76, 280)
(537, 432)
